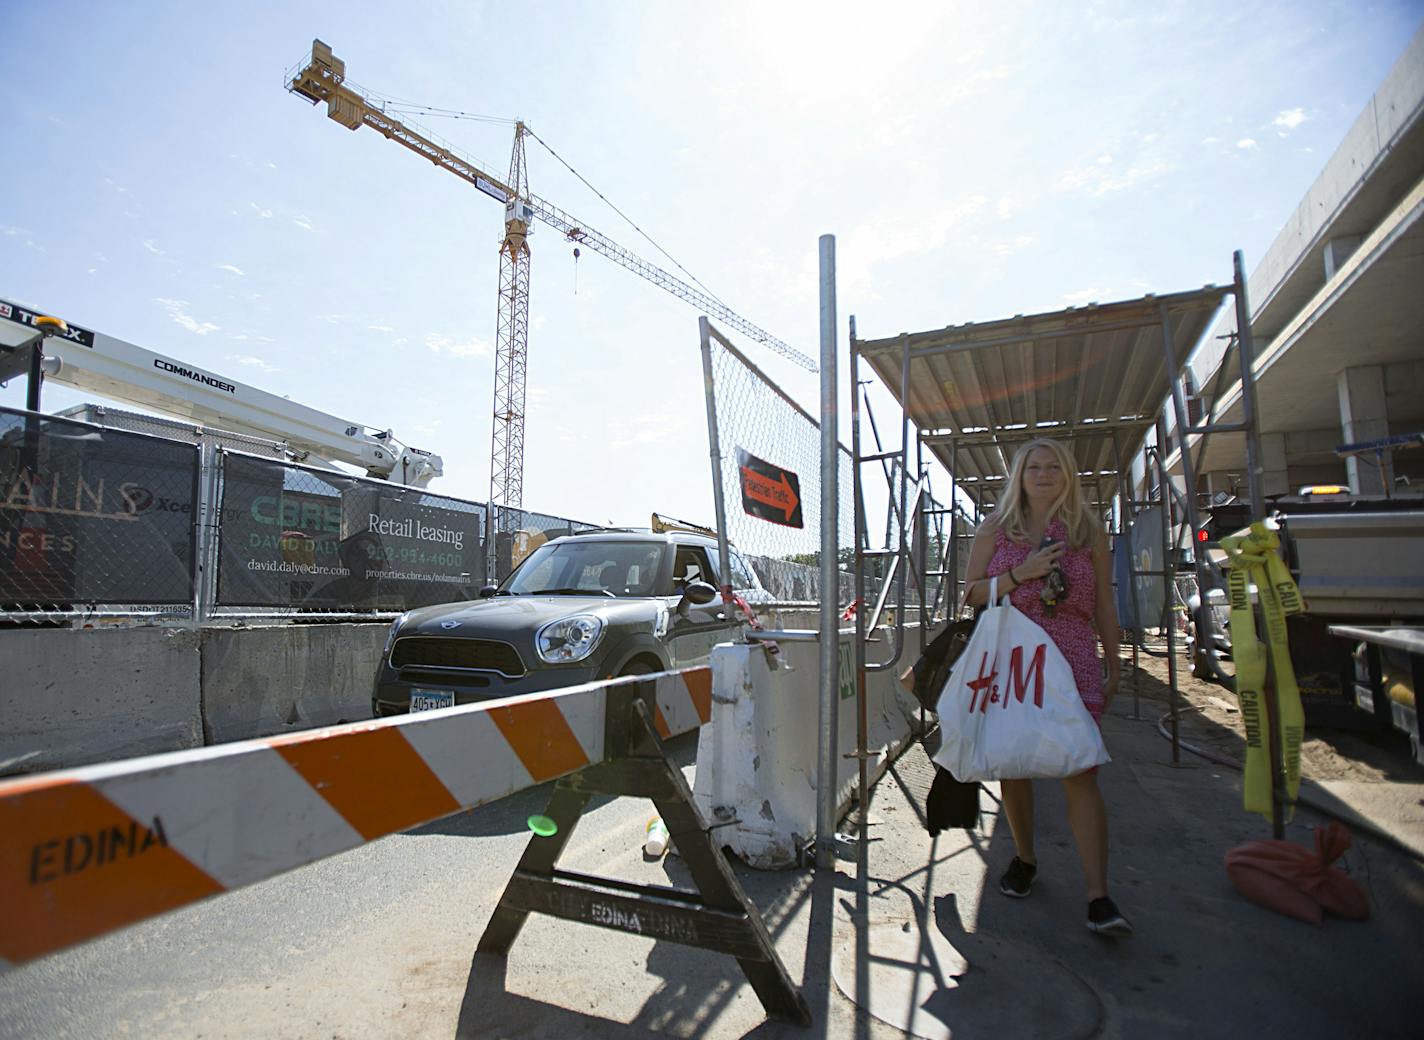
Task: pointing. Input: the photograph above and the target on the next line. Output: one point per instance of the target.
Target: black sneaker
(1106, 919)
(1018, 879)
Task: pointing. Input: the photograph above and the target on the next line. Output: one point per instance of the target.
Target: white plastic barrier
(756, 759)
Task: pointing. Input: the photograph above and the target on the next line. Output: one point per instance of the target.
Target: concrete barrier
(72, 697)
(258, 682)
(756, 760)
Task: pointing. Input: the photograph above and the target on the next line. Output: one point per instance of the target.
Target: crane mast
(512, 342)
(321, 77)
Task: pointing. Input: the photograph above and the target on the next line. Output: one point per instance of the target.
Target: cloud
(249, 337)
(304, 223)
(648, 428)
(1017, 244)
(264, 214)
(1103, 176)
(10, 231)
(253, 361)
(380, 328)
(230, 267)
(449, 346)
(149, 244)
(1082, 296)
(1288, 119)
(176, 310)
(976, 83)
(1008, 206)
(1246, 144)
(901, 233)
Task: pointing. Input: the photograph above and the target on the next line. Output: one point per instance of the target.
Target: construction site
(309, 731)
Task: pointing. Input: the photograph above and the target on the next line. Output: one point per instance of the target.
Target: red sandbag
(1283, 876)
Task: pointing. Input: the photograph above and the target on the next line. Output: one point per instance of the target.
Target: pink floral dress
(1072, 627)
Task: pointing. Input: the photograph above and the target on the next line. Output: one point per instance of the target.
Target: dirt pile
(1339, 744)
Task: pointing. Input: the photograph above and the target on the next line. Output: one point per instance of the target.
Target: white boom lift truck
(95, 363)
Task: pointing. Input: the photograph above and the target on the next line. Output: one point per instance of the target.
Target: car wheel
(647, 690)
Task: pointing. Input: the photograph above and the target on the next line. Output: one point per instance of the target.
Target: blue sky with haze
(975, 161)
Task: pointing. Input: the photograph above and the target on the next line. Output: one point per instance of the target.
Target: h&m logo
(985, 690)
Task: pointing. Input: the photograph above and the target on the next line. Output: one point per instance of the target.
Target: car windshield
(595, 568)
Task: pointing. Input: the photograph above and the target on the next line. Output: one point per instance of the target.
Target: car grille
(434, 652)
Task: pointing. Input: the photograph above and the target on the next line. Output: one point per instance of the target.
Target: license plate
(430, 700)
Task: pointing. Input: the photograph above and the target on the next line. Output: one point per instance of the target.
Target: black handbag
(931, 671)
(951, 803)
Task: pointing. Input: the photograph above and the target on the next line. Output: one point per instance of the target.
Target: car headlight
(569, 639)
(391, 635)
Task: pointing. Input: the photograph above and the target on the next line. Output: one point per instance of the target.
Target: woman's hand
(1039, 562)
(1110, 685)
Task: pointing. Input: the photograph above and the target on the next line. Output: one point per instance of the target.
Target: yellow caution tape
(1254, 558)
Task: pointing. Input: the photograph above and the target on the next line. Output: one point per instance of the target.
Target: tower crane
(322, 77)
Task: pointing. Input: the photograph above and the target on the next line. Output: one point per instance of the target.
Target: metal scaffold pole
(826, 761)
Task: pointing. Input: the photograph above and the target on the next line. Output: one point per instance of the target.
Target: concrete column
(1274, 478)
(1338, 250)
(1363, 417)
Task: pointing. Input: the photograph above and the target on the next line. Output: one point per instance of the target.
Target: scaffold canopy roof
(1094, 377)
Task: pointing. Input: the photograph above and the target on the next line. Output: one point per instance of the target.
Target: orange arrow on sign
(778, 495)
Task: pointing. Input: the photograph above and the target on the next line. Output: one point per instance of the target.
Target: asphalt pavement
(906, 932)
(1203, 962)
(909, 935)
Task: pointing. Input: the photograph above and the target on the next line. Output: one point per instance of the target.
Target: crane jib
(324, 78)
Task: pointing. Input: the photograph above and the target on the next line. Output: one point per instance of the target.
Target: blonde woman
(1050, 555)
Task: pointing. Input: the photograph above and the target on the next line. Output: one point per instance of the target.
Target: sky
(973, 161)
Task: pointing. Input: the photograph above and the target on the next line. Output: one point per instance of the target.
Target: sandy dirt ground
(1339, 745)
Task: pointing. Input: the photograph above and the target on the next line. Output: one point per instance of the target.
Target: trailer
(1359, 564)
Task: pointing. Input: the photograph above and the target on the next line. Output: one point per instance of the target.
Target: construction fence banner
(312, 539)
(93, 515)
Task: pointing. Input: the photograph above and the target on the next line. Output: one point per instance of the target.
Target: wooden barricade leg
(540, 855)
(717, 916)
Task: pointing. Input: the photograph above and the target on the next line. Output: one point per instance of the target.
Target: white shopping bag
(1011, 709)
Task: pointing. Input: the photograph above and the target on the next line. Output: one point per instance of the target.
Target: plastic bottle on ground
(655, 842)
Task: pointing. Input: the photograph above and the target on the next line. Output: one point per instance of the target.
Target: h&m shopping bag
(1011, 709)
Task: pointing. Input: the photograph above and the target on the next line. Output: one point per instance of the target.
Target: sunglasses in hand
(1055, 585)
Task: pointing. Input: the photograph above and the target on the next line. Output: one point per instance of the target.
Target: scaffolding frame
(974, 392)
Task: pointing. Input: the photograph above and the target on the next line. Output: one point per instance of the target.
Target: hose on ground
(1358, 823)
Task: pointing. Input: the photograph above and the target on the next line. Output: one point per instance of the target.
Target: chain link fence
(305, 539)
(770, 468)
(90, 516)
(103, 523)
(109, 525)
(518, 532)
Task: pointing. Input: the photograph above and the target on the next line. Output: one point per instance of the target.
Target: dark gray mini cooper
(579, 608)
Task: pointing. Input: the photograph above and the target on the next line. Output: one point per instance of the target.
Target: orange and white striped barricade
(89, 850)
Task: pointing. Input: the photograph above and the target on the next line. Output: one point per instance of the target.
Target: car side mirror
(695, 593)
(488, 591)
